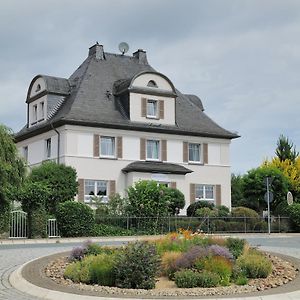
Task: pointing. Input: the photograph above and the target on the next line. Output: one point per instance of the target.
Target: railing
(52, 229)
(18, 225)
(161, 225)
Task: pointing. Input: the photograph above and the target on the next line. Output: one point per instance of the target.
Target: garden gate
(52, 229)
(18, 225)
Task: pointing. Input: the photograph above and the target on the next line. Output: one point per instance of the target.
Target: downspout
(58, 142)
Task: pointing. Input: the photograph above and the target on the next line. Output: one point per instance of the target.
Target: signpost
(269, 197)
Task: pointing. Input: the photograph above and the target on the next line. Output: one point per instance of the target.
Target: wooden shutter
(142, 149)
(161, 105)
(205, 153)
(192, 193)
(96, 145)
(164, 150)
(80, 190)
(185, 152)
(218, 194)
(144, 107)
(112, 188)
(119, 147)
(173, 185)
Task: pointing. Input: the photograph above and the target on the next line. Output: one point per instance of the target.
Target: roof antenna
(123, 47)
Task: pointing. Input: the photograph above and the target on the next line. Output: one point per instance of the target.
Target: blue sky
(242, 58)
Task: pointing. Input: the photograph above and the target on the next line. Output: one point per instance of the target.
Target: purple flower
(217, 250)
(77, 253)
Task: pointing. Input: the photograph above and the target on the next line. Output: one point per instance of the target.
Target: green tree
(175, 200)
(12, 172)
(237, 196)
(33, 197)
(254, 188)
(61, 181)
(285, 149)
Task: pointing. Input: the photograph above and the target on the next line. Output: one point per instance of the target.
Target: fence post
(127, 223)
(279, 225)
(208, 225)
(245, 224)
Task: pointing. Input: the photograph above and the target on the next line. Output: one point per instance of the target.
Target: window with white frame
(34, 113)
(42, 111)
(107, 146)
(205, 192)
(152, 150)
(194, 152)
(151, 108)
(95, 188)
(48, 148)
(25, 153)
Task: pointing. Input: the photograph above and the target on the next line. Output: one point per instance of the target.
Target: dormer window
(152, 83)
(38, 88)
(34, 113)
(42, 111)
(151, 108)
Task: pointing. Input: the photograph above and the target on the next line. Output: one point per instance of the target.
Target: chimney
(97, 51)
(140, 54)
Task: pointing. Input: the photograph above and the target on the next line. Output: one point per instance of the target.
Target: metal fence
(18, 225)
(52, 229)
(161, 225)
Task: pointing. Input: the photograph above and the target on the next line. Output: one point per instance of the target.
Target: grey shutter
(164, 150)
(205, 154)
(142, 149)
(185, 151)
(144, 107)
(80, 190)
(218, 195)
(161, 105)
(112, 188)
(96, 145)
(119, 147)
(192, 193)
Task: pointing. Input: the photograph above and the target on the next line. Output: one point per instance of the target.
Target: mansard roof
(91, 99)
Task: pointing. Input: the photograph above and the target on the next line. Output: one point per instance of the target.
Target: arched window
(38, 88)
(152, 83)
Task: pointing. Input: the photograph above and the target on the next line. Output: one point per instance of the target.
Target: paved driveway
(12, 256)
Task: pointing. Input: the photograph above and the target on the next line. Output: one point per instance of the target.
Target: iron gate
(52, 229)
(18, 225)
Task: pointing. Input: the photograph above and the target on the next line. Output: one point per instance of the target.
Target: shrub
(294, 214)
(175, 199)
(254, 265)
(137, 266)
(221, 266)
(244, 212)
(72, 271)
(110, 230)
(241, 280)
(217, 250)
(168, 266)
(102, 270)
(77, 253)
(205, 212)
(74, 219)
(235, 246)
(223, 211)
(208, 279)
(186, 279)
(192, 208)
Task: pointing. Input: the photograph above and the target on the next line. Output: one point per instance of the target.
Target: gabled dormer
(148, 97)
(45, 95)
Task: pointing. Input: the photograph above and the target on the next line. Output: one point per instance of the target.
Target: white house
(116, 120)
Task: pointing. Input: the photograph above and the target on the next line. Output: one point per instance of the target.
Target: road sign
(289, 198)
(268, 180)
(271, 197)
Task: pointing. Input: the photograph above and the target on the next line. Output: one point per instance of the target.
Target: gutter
(58, 142)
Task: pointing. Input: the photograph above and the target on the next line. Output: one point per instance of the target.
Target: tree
(12, 172)
(237, 196)
(61, 181)
(175, 199)
(286, 149)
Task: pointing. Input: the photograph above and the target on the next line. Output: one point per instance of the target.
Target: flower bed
(178, 264)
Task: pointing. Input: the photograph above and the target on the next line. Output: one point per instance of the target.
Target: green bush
(190, 279)
(72, 271)
(75, 219)
(175, 198)
(205, 212)
(223, 211)
(102, 270)
(192, 208)
(38, 223)
(244, 212)
(137, 266)
(235, 246)
(254, 265)
(110, 230)
(294, 214)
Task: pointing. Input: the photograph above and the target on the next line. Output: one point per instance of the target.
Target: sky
(242, 58)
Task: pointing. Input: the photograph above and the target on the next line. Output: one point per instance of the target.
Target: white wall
(40, 81)
(143, 80)
(37, 102)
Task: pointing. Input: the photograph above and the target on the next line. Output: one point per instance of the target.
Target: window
(107, 146)
(151, 109)
(34, 113)
(95, 188)
(152, 150)
(42, 111)
(194, 152)
(204, 192)
(25, 153)
(152, 83)
(48, 148)
(38, 88)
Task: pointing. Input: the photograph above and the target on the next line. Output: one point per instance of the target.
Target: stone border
(32, 275)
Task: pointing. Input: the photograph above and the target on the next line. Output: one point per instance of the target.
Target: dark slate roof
(156, 167)
(91, 101)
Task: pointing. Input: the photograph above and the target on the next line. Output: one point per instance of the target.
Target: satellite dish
(123, 47)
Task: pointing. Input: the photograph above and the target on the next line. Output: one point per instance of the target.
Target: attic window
(38, 88)
(152, 83)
